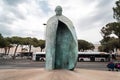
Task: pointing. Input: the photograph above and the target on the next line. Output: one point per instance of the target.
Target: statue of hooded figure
(61, 42)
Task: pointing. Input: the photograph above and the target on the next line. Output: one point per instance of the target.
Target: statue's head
(58, 11)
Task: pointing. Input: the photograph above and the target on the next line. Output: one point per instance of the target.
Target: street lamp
(44, 24)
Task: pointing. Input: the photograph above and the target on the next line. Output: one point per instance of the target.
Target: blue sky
(25, 18)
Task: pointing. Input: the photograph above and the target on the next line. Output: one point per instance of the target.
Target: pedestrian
(110, 66)
(117, 66)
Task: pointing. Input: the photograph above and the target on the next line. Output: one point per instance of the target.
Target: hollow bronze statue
(61, 42)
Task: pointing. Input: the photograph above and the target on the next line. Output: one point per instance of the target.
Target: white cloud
(26, 17)
(91, 35)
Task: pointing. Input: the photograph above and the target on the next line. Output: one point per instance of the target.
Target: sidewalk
(42, 74)
(11, 61)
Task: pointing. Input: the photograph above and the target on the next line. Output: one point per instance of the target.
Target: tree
(9, 46)
(112, 28)
(110, 45)
(116, 11)
(40, 43)
(16, 41)
(84, 45)
(101, 48)
(91, 46)
(35, 42)
(4, 43)
(27, 41)
(1, 41)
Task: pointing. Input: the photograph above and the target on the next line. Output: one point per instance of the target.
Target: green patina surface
(64, 41)
(61, 43)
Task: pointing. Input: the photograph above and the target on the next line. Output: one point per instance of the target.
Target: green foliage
(101, 48)
(114, 28)
(8, 42)
(15, 40)
(39, 43)
(109, 43)
(35, 42)
(27, 41)
(3, 42)
(42, 44)
(84, 45)
(111, 28)
(117, 11)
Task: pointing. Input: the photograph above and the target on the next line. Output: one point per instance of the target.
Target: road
(92, 65)
(25, 64)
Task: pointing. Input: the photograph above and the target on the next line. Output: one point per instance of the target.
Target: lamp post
(44, 24)
(45, 33)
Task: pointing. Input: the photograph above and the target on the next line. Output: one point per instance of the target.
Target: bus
(38, 56)
(95, 56)
(82, 56)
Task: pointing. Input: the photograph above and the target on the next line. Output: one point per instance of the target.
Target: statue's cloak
(61, 44)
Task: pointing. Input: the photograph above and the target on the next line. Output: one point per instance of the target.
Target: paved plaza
(34, 70)
(42, 74)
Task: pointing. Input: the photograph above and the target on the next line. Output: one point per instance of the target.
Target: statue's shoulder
(65, 19)
(53, 18)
